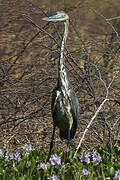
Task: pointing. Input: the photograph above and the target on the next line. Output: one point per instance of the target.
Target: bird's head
(60, 16)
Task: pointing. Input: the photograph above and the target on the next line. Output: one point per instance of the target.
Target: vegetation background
(29, 53)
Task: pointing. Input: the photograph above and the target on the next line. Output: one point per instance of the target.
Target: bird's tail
(64, 134)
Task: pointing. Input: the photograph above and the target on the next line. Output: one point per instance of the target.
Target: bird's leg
(51, 144)
(68, 140)
(68, 143)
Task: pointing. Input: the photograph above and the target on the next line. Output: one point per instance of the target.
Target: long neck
(62, 75)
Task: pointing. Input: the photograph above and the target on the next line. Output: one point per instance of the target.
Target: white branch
(99, 108)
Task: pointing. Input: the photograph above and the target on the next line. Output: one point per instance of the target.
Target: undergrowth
(101, 163)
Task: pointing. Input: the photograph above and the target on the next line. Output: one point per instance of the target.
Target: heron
(64, 102)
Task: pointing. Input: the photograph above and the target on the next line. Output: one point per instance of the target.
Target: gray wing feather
(74, 105)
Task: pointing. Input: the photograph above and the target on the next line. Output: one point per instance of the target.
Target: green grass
(24, 166)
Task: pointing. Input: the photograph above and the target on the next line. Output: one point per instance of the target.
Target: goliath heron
(64, 105)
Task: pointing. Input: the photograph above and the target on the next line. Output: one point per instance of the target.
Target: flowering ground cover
(101, 163)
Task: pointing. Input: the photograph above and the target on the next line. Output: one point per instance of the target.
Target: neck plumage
(62, 75)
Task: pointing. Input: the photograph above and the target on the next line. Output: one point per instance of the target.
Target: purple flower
(17, 156)
(55, 159)
(117, 175)
(42, 166)
(54, 177)
(27, 147)
(85, 157)
(84, 172)
(96, 157)
(1, 153)
(7, 155)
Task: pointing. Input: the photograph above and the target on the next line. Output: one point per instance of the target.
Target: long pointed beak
(54, 18)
